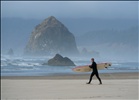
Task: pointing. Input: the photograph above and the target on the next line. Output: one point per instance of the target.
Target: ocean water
(20, 66)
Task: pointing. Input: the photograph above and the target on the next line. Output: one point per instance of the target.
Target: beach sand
(116, 86)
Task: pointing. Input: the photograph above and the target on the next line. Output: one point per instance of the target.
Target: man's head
(92, 59)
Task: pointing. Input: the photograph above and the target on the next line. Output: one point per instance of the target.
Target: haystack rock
(58, 60)
(51, 37)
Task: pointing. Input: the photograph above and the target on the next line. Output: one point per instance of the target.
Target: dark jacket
(94, 67)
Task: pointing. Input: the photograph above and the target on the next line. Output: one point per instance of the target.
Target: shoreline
(105, 76)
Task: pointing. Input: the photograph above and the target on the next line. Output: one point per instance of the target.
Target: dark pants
(97, 75)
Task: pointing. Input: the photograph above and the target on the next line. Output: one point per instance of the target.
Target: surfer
(94, 72)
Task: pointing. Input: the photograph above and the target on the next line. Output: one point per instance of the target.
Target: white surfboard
(86, 68)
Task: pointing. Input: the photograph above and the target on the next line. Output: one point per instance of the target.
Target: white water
(20, 66)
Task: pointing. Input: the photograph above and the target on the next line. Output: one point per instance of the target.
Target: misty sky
(70, 9)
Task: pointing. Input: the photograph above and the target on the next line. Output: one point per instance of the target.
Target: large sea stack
(51, 37)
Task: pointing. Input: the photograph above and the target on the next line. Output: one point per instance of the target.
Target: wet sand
(111, 76)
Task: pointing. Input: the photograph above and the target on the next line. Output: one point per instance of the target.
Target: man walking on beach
(94, 72)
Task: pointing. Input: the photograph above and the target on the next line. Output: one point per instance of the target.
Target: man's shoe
(100, 83)
(87, 83)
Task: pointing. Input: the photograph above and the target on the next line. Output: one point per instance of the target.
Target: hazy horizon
(80, 17)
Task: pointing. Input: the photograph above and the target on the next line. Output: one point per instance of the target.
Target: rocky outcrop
(58, 60)
(91, 53)
(10, 52)
(51, 37)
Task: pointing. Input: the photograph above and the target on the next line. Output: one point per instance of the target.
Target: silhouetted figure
(94, 72)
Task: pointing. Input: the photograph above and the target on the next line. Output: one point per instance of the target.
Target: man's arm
(90, 66)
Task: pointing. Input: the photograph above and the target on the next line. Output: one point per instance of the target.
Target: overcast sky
(72, 9)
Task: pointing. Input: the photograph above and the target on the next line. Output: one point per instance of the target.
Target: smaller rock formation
(58, 60)
(87, 53)
(10, 52)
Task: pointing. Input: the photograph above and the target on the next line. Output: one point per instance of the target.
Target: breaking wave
(34, 66)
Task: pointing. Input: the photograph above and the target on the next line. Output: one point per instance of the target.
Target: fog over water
(108, 30)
